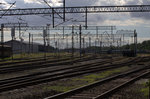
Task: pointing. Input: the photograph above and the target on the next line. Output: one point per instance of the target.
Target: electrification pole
(83, 46)
(80, 33)
(48, 37)
(89, 44)
(86, 18)
(72, 42)
(32, 43)
(13, 37)
(135, 42)
(44, 39)
(2, 40)
(64, 6)
(29, 43)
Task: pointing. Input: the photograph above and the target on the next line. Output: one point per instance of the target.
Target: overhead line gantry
(67, 10)
(85, 9)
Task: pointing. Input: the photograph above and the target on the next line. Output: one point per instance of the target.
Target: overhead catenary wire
(54, 10)
(8, 9)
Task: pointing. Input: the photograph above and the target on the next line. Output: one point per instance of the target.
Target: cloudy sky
(138, 21)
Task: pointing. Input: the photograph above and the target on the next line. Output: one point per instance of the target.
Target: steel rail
(49, 58)
(54, 76)
(86, 87)
(43, 64)
(113, 90)
(51, 71)
(76, 67)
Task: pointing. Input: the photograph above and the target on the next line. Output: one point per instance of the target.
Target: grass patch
(145, 90)
(66, 85)
(25, 56)
(60, 88)
(94, 77)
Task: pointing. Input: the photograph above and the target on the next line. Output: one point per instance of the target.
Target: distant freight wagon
(6, 51)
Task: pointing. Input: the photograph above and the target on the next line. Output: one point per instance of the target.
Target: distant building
(25, 47)
(22, 47)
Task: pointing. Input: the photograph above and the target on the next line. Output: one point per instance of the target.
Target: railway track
(41, 64)
(9, 62)
(30, 61)
(104, 88)
(49, 58)
(29, 80)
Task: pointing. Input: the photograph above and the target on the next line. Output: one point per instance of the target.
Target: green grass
(145, 90)
(59, 88)
(35, 55)
(63, 86)
(94, 77)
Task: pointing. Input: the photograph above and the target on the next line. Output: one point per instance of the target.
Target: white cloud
(32, 1)
(127, 22)
(53, 3)
(141, 39)
(4, 4)
(111, 2)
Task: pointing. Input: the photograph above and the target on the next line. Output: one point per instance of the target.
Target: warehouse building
(23, 47)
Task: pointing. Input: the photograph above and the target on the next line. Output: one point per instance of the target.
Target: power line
(8, 9)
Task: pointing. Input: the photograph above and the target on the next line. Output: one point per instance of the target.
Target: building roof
(24, 42)
(5, 45)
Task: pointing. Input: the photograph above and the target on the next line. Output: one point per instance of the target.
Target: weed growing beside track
(145, 89)
(66, 85)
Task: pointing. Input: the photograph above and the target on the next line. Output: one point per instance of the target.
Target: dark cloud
(92, 18)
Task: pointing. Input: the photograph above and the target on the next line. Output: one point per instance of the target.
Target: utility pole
(48, 37)
(72, 42)
(13, 36)
(89, 41)
(86, 18)
(53, 17)
(90, 44)
(95, 47)
(2, 40)
(55, 51)
(64, 6)
(96, 32)
(123, 39)
(67, 42)
(120, 44)
(80, 33)
(135, 42)
(100, 46)
(63, 32)
(58, 46)
(29, 43)
(32, 43)
(44, 39)
(112, 36)
(101, 41)
(149, 88)
(83, 43)
(83, 46)
(21, 39)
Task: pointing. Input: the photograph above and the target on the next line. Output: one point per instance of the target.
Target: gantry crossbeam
(64, 28)
(85, 9)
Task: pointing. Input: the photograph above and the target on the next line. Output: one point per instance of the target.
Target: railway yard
(74, 49)
(89, 77)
